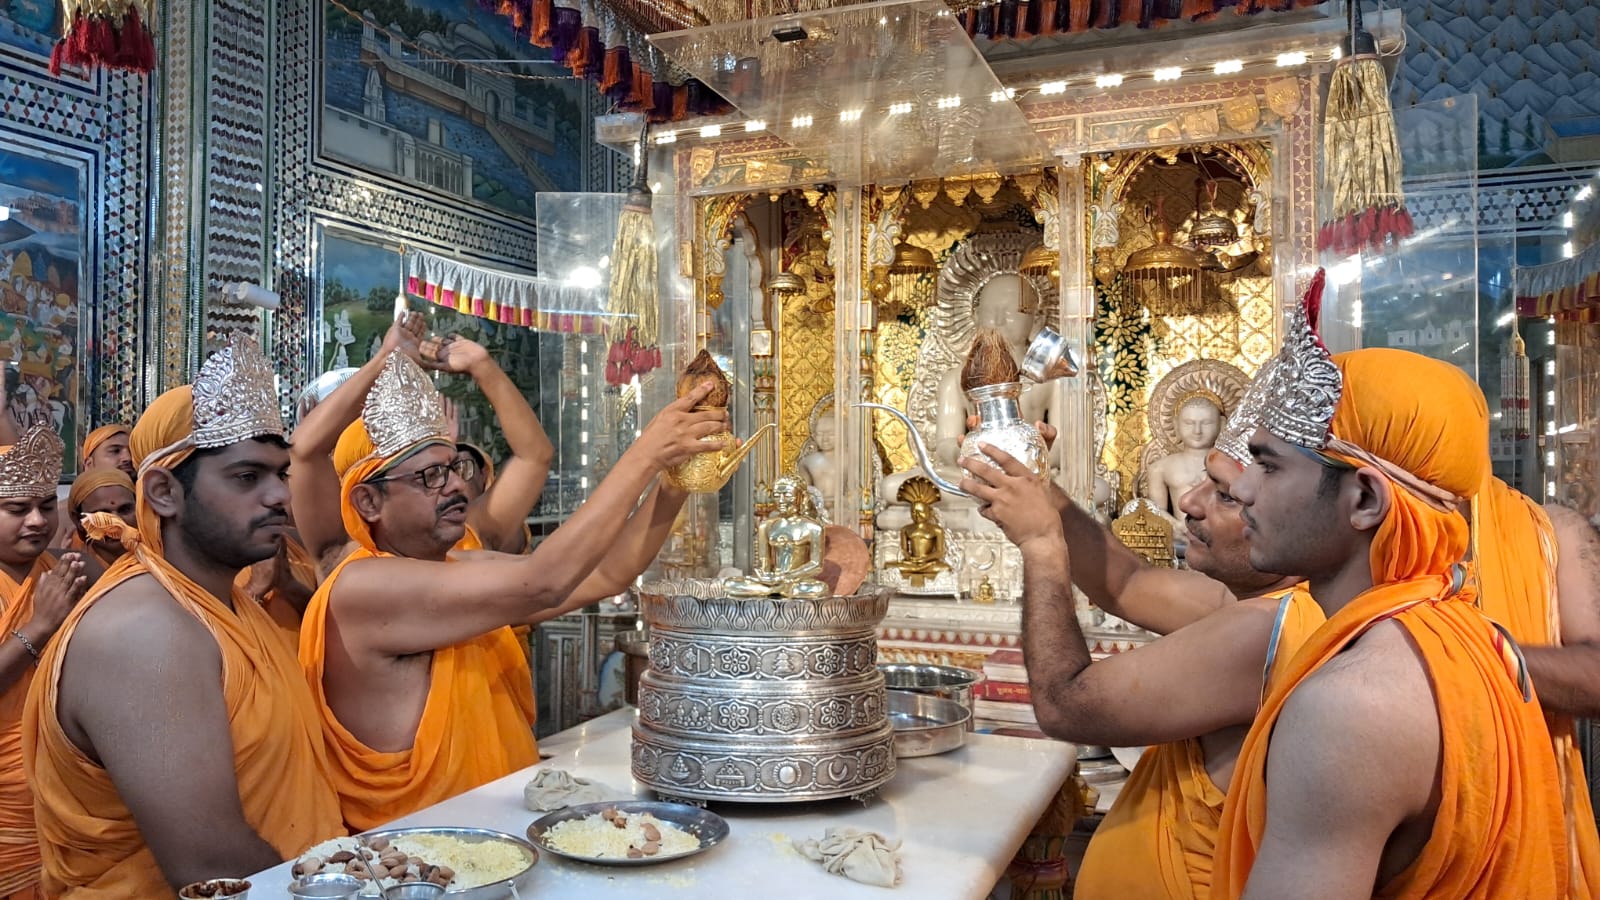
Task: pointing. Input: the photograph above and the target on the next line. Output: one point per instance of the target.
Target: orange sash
(1162, 830)
(1516, 557)
(19, 846)
(1499, 831)
(477, 724)
(92, 846)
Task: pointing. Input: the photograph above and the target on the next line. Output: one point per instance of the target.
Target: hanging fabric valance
(504, 296)
(1568, 289)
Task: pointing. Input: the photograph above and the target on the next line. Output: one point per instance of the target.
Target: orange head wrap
(355, 460)
(99, 436)
(91, 481)
(1438, 437)
(165, 423)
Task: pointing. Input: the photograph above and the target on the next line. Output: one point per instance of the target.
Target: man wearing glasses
(423, 690)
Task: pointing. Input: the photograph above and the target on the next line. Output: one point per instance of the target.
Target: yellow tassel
(633, 270)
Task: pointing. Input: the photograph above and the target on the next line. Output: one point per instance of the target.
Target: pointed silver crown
(1234, 441)
(403, 408)
(235, 397)
(1304, 386)
(32, 467)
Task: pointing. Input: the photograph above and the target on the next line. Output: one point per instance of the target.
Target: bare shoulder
(138, 624)
(1374, 700)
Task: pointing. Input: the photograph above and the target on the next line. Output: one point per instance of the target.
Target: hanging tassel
(544, 17)
(632, 297)
(1033, 19)
(1361, 175)
(612, 80)
(108, 34)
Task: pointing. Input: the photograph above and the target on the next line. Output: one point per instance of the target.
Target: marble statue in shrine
(1186, 412)
(819, 460)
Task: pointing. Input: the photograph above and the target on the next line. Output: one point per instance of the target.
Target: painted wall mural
(414, 90)
(30, 26)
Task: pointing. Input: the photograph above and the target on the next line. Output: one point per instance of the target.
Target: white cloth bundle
(553, 789)
(864, 856)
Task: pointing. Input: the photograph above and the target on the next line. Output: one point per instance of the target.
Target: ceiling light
(1228, 66)
(1584, 194)
(900, 108)
(850, 115)
(1296, 58)
(666, 137)
(948, 102)
(1566, 219)
(1053, 87)
(1567, 251)
(1168, 73)
(755, 125)
(1108, 81)
(711, 131)
(800, 122)
(1002, 96)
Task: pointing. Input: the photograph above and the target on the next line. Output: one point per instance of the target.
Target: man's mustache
(455, 501)
(269, 520)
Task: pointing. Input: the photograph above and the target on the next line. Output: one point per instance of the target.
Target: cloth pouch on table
(553, 789)
(864, 856)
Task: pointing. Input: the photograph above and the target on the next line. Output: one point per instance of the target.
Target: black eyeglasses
(435, 477)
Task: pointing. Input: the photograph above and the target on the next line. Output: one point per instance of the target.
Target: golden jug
(706, 473)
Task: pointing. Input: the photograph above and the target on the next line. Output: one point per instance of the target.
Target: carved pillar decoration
(716, 236)
(1039, 870)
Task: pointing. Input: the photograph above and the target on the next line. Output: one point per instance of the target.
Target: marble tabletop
(961, 817)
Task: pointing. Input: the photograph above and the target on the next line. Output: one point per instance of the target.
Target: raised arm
(499, 515)
(450, 602)
(314, 487)
(635, 547)
(1568, 677)
(56, 593)
(1175, 688)
(130, 667)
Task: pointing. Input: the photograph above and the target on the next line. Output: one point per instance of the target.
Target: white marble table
(961, 816)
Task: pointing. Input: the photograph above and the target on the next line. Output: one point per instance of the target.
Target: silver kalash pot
(1000, 421)
(761, 700)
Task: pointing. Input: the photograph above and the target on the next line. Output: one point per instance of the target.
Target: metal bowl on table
(925, 725)
(949, 682)
(710, 828)
(494, 890)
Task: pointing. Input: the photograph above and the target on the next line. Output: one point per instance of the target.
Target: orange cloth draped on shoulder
(85, 484)
(1499, 830)
(19, 846)
(1516, 553)
(93, 440)
(1159, 837)
(477, 724)
(93, 849)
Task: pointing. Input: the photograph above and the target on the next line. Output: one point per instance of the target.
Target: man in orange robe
(106, 447)
(170, 737)
(36, 594)
(101, 490)
(1531, 568)
(1192, 694)
(1363, 470)
(426, 693)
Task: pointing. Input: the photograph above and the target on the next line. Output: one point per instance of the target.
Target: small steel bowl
(925, 725)
(1049, 357)
(414, 890)
(326, 886)
(948, 682)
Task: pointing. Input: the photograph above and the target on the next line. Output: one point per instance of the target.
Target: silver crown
(403, 408)
(235, 396)
(32, 467)
(1303, 386)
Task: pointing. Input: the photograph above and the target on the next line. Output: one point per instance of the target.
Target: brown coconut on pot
(989, 362)
(701, 369)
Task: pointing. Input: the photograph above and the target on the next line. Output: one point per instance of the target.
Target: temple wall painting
(407, 95)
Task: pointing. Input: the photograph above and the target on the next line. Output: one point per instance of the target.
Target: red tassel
(680, 103)
(611, 72)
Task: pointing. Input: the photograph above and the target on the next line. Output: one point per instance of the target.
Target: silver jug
(1000, 425)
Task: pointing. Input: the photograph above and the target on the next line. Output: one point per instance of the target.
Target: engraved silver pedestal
(762, 701)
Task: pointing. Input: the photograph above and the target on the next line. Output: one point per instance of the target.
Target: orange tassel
(611, 74)
(1193, 9)
(544, 13)
(680, 103)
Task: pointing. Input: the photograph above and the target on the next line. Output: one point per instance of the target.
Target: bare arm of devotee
(57, 592)
(1568, 677)
(1335, 829)
(447, 603)
(314, 485)
(633, 549)
(499, 515)
(141, 694)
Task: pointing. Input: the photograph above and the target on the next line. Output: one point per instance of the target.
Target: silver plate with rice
(508, 845)
(707, 827)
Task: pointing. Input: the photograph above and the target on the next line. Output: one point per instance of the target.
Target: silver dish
(498, 890)
(1049, 357)
(949, 682)
(709, 827)
(925, 725)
